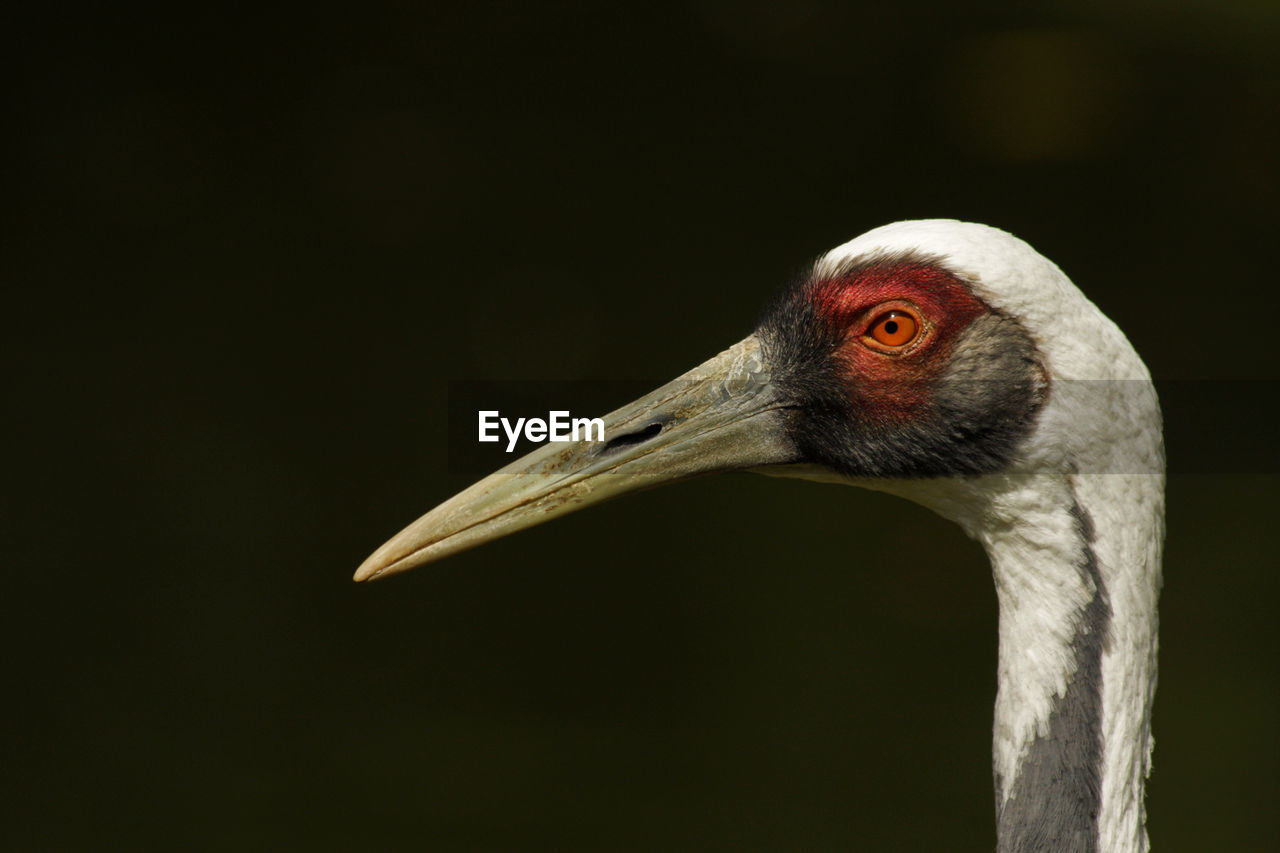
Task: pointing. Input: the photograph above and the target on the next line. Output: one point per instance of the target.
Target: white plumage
(1099, 437)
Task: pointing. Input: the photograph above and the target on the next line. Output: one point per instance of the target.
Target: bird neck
(1076, 566)
(1076, 563)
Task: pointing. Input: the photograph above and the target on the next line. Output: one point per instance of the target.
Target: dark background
(245, 251)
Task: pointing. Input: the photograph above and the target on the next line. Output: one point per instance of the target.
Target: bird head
(928, 353)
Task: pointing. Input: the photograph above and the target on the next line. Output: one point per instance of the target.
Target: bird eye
(894, 329)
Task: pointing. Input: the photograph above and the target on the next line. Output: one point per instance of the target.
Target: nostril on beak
(631, 438)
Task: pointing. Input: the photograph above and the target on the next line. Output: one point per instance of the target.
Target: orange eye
(894, 329)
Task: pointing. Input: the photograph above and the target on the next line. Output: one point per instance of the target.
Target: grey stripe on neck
(1057, 793)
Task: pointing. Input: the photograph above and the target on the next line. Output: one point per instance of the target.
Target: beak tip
(386, 562)
(370, 570)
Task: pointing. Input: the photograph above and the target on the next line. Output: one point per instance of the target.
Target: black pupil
(891, 326)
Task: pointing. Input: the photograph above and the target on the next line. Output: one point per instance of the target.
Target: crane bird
(951, 364)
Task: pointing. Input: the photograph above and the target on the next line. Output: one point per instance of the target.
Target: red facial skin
(893, 383)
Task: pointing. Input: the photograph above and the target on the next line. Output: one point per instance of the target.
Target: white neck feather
(1045, 554)
(1128, 518)
(1082, 507)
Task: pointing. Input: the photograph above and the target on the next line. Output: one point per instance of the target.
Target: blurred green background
(245, 250)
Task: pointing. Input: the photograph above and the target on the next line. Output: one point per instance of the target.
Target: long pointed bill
(723, 415)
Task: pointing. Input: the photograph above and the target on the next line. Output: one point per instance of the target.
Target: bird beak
(723, 415)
